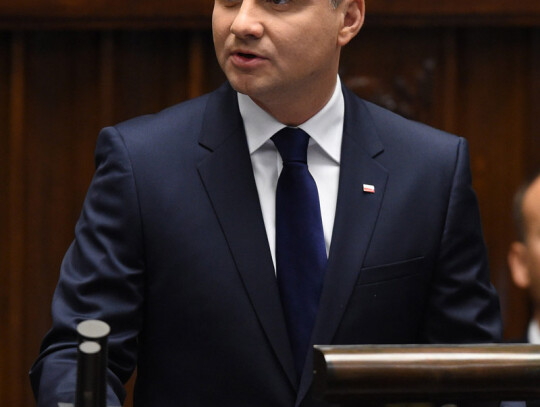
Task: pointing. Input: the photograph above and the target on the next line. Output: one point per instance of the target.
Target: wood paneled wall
(69, 68)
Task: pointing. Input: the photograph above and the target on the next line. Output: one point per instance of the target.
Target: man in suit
(524, 254)
(182, 229)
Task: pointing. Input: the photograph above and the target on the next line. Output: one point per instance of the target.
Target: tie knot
(292, 144)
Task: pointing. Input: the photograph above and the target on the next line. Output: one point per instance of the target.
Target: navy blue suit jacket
(171, 251)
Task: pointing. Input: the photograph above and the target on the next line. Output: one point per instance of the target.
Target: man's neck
(293, 110)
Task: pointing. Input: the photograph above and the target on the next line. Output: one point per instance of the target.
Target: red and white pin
(370, 189)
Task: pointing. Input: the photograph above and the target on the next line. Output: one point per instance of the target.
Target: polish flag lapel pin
(370, 189)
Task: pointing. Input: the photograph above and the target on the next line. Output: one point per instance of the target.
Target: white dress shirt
(533, 333)
(323, 157)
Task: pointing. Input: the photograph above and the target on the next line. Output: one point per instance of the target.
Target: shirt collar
(533, 334)
(325, 128)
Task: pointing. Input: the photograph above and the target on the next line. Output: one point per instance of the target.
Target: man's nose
(248, 21)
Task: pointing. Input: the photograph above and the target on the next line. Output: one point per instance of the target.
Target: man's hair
(519, 218)
(335, 3)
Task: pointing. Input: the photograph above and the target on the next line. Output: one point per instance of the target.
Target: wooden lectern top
(449, 373)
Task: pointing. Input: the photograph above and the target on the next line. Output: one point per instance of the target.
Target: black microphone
(92, 359)
(88, 375)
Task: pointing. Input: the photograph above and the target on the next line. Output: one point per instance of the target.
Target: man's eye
(279, 2)
(230, 3)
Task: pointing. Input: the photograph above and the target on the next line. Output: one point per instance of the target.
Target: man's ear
(517, 260)
(353, 19)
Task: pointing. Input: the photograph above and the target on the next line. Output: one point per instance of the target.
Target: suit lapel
(356, 214)
(355, 219)
(227, 175)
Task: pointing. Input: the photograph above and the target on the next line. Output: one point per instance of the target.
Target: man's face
(272, 49)
(531, 214)
(524, 257)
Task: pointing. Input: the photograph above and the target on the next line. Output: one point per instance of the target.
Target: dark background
(70, 67)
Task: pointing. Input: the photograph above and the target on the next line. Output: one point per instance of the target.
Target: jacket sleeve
(463, 306)
(101, 277)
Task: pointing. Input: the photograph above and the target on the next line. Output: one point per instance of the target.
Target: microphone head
(93, 329)
(89, 347)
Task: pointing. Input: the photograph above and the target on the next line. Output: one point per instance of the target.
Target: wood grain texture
(16, 220)
(5, 58)
(398, 68)
(458, 12)
(533, 139)
(150, 71)
(420, 373)
(130, 13)
(449, 86)
(492, 116)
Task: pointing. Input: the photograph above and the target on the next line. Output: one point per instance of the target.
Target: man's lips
(246, 55)
(246, 59)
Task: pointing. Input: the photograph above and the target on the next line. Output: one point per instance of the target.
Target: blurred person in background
(524, 254)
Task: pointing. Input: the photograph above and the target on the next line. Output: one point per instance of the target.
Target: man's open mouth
(248, 56)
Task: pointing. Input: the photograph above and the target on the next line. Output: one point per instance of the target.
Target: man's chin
(247, 84)
(261, 91)
(243, 86)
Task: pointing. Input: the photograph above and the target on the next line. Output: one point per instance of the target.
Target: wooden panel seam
(450, 78)
(196, 64)
(16, 242)
(106, 78)
(533, 150)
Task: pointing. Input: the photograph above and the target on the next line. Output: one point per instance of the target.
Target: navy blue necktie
(300, 247)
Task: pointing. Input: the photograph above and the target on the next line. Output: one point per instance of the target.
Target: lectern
(362, 375)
